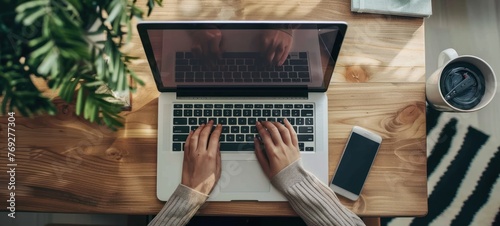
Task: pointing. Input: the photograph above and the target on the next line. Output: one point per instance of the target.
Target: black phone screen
(355, 163)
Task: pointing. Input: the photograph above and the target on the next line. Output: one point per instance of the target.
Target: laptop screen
(242, 54)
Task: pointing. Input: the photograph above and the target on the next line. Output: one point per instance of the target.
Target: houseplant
(54, 41)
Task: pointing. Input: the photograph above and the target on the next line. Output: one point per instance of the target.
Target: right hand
(206, 44)
(281, 146)
(276, 45)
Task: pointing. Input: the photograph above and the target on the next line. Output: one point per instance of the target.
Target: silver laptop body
(236, 89)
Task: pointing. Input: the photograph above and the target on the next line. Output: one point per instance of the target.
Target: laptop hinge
(285, 92)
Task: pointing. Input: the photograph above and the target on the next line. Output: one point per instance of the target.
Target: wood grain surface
(65, 164)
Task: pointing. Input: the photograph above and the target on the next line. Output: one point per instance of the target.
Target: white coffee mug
(433, 91)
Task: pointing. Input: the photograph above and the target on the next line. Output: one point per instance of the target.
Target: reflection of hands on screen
(276, 45)
(206, 44)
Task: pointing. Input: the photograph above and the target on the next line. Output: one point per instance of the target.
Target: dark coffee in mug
(462, 85)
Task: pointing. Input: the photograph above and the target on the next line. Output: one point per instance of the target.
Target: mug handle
(446, 56)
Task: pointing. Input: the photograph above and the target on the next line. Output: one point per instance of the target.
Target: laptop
(222, 71)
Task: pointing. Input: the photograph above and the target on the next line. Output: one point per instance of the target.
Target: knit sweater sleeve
(180, 207)
(315, 202)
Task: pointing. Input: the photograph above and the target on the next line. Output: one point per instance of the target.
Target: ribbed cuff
(190, 194)
(289, 176)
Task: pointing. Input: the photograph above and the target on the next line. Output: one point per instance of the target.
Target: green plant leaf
(79, 102)
(48, 62)
(30, 19)
(31, 4)
(114, 13)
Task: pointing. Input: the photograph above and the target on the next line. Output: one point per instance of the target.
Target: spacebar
(236, 147)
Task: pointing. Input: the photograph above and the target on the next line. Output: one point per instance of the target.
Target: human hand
(201, 168)
(276, 45)
(281, 146)
(206, 44)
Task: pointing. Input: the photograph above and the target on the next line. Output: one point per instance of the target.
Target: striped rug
(463, 170)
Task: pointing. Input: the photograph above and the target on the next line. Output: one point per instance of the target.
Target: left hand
(201, 168)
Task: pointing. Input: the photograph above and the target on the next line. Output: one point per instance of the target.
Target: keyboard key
(240, 137)
(296, 113)
(235, 129)
(188, 112)
(232, 121)
(288, 105)
(306, 129)
(193, 121)
(222, 137)
(276, 113)
(202, 121)
(177, 147)
(218, 106)
(259, 106)
(302, 137)
(225, 129)
(247, 112)
(229, 137)
(242, 121)
(177, 112)
(266, 113)
(198, 112)
(301, 146)
(306, 113)
(218, 113)
(223, 121)
(299, 106)
(198, 106)
(238, 106)
(181, 129)
(299, 121)
(227, 112)
(268, 106)
(207, 112)
(249, 137)
(309, 149)
(228, 106)
(256, 113)
(180, 121)
(252, 121)
(245, 129)
(188, 106)
(177, 105)
(236, 112)
(180, 137)
(309, 121)
(308, 106)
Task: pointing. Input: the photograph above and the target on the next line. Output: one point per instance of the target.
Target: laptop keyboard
(238, 122)
(245, 67)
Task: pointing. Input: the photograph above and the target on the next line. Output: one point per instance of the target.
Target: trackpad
(243, 176)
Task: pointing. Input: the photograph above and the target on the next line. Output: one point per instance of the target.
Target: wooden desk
(68, 165)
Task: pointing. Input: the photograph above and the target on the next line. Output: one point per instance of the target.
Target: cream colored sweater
(315, 202)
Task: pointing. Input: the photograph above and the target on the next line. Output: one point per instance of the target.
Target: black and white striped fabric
(463, 170)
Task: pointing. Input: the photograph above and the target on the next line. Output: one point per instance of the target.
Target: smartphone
(355, 163)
